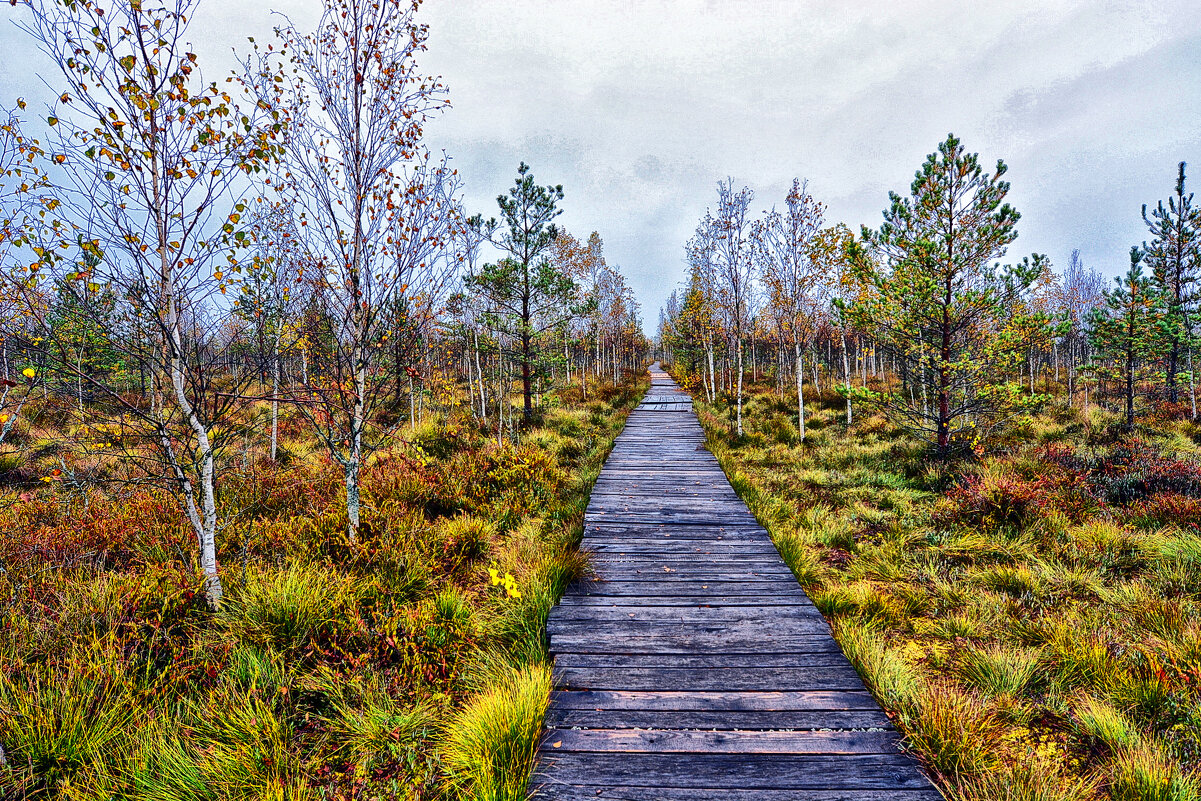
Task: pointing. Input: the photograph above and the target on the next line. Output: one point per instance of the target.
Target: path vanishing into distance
(693, 666)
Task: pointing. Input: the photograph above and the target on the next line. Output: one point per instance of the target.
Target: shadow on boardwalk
(694, 666)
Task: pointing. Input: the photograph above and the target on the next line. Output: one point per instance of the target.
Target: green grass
(1143, 773)
(1030, 619)
(490, 745)
(64, 726)
(388, 668)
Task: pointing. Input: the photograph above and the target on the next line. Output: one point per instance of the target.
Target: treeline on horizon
(919, 319)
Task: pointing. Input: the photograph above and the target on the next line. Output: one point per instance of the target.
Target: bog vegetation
(986, 476)
(294, 448)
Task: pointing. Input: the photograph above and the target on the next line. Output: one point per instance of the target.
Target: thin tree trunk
(712, 374)
(800, 392)
(739, 360)
(275, 399)
(1192, 384)
(480, 374)
(846, 374)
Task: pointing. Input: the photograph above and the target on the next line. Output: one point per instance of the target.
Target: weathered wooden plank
(648, 535)
(657, 741)
(797, 599)
(788, 659)
(698, 587)
(829, 678)
(720, 719)
(682, 534)
(692, 573)
(660, 793)
(736, 771)
(686, 575)
(683, 614)
(682, 548)
(743, 702)
(610, 531)
(633, 642)
(728, 559)
(659, 636)
(611, 560)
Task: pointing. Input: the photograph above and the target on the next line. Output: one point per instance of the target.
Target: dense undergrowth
(1031, 618)
(410, 664)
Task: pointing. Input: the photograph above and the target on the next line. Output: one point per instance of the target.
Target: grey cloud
(638, 107)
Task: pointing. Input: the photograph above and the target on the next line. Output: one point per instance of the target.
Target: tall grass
(1029, 618)
(490, 745)
(65, 728)
(391, 667)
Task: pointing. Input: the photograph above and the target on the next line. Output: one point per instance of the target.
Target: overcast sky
(638, 107)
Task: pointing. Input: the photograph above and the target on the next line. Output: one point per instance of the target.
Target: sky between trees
(639, 108)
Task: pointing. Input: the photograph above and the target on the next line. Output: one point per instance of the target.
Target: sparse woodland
(295, 448)
(985, 474)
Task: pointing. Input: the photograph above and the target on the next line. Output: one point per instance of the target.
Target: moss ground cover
(410, 664)
(1030, 618)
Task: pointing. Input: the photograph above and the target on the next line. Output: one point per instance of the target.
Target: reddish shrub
(1012, 494)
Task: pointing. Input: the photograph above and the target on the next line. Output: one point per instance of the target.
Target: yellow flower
(4, 418)
(29, 372)
(495, 576)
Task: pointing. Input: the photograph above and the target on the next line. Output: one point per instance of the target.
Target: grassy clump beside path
(395, 667)
(1032, 619)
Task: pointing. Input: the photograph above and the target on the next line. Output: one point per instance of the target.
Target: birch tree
(790, 268)
(375, 209)
(270, 296)
(735, 267)
(22, 210)
(1081, 292)
(699, 311)
(149, 161)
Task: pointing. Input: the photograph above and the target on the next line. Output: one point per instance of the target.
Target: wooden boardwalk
(694, 666)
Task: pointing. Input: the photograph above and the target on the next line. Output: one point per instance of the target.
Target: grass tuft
(999, 670)
(955, 731)
(61, 728)
(1144, 773)
(490, 745)
(284, 608)
(1105, 724)
(895, 682)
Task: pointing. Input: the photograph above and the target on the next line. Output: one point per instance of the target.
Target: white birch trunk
(846, 374)
(800, 392)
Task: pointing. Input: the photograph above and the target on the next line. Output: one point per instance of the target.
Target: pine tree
(935, 306)
(1127, 331)
(532, 294)
(1174, 256)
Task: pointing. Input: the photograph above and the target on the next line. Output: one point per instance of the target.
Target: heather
(399, 665)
